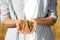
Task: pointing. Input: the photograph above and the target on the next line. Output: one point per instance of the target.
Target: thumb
(17, 26)
(33, 23)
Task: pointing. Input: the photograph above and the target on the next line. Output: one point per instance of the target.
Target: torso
(42, 32)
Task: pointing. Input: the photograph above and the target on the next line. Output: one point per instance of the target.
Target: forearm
(45, 21)
(9, 22)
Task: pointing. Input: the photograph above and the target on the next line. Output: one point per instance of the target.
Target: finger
(33, 22)
(17, 26)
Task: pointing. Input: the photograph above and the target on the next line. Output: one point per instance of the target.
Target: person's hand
(26, 26)
(33, 24)
(22, 26)
(19, 25)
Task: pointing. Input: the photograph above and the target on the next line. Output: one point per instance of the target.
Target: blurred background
(55, 28)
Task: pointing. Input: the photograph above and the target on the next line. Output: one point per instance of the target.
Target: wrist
(36, 21)
(17, 21)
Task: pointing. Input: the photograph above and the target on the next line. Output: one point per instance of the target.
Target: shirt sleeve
(52, 12)
(4, 11)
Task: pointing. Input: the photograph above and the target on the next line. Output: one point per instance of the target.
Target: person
(42, 12)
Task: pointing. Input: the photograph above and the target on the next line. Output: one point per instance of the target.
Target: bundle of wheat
(26, 27)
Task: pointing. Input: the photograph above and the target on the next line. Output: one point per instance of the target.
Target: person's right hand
(19, 25)
(22, 26)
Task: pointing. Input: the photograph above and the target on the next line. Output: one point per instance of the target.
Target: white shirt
(28, 10)
(28, 7)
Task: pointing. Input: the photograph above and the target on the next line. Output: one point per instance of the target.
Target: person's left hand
(32, 24)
